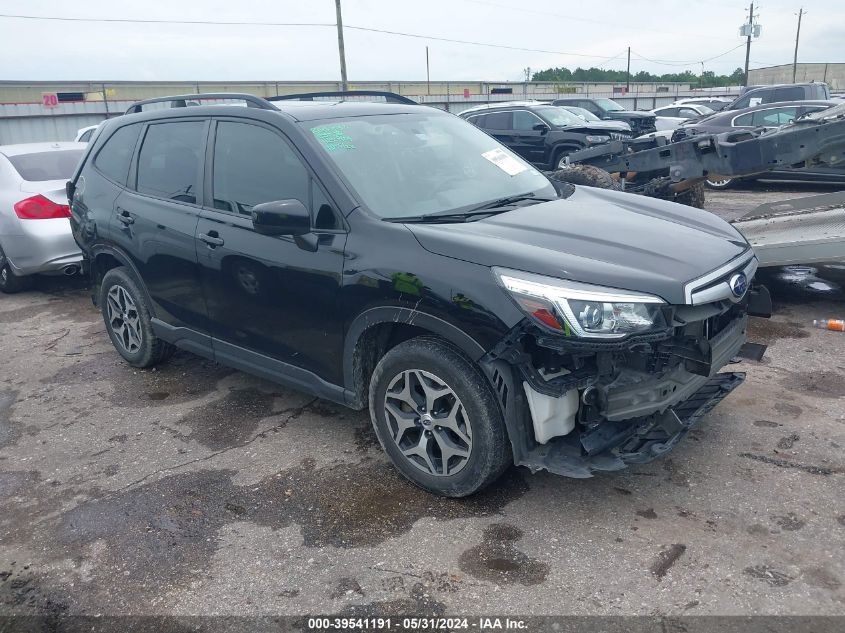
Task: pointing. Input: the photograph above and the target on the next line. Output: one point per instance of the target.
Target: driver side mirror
(541, 127)
(281, 217)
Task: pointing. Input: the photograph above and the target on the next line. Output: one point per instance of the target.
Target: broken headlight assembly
(582, 310)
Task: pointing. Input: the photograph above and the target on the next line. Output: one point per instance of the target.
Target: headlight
(597, 139)
(582, 310)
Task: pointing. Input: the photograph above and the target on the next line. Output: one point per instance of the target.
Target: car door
(155, 220)
(529, 142)
(500, 126)
(271, 299)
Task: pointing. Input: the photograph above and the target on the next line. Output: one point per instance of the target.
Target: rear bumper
(42, 246)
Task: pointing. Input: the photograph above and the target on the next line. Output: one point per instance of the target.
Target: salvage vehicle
(542, 134)
(778, 93)
(640, 122)
(35, 236)
(714, 103)
(671, 116)
(395, 257)
(615, 126)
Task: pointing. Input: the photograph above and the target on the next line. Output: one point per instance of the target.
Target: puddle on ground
(768, 331)
(824, 384)
(166, 531)
(231, 420)
(666, 558)
(497, 560)
(418, 603)
(183, 378)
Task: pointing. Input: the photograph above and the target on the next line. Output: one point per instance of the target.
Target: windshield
(581, 112)
(56, 165)
(559, 116)
(405, 165)
(609, 105)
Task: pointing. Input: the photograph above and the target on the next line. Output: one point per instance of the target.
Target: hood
(596, 236)
(629, 114)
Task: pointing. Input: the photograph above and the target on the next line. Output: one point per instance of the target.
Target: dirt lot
(195, 489)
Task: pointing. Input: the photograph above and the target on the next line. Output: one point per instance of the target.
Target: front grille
(620, 136)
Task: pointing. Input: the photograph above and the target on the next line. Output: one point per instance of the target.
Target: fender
(121, 256)
(397, 314)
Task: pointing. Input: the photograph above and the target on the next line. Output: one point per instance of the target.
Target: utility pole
(797, 35)
(628, 73)
(340, 49)
(747, 42)
(427, 72)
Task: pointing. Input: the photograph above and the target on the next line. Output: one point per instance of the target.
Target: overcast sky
(677, 33)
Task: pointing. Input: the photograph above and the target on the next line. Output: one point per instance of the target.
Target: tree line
(707, 79)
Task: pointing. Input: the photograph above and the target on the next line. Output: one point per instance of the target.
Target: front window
(560, 117)
(405, 165)
(609, 105)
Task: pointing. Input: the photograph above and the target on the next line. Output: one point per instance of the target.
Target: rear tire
(11, 283)
(453, 442)
(586, 175)
(720, 183)
(692, 197)
(126, 313)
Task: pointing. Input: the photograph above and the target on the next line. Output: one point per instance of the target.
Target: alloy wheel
(124, 320)
(428, 422)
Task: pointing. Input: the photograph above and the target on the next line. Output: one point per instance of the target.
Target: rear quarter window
(40, 166)
(170, 160)
(114, 157)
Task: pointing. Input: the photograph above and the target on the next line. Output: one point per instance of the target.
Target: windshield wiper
(492, 207)
(435, 218)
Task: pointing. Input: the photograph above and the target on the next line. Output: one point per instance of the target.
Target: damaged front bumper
(573, 407)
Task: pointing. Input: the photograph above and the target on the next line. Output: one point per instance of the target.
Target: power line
(333, 25)
(665, 62)
(570, 18)
(294, 24)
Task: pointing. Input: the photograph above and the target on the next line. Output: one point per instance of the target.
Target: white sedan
(671, 116)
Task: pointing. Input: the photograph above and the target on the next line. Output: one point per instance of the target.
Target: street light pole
(797, 35)
(340, 49)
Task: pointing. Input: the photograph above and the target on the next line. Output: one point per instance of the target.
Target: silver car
(35, 232)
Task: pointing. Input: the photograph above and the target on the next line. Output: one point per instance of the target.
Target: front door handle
(211, 238)
(124, 217)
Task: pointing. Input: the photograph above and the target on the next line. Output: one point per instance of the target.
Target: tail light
(40, 208)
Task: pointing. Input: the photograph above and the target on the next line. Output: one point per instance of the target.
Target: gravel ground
(195, 489)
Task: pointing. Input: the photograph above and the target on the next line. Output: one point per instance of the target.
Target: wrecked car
(394, 257)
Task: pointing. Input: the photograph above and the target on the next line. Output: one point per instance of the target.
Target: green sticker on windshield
(333, 137)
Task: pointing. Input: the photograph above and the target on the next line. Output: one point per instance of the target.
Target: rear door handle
(211, 239)
(124, 217)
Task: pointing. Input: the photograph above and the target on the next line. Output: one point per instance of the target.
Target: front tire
(126, 312)
(437, 418)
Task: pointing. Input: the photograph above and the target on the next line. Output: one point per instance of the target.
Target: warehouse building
(833, 74)
(55, 110)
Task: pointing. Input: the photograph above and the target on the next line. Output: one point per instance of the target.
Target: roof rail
(181, 101)
(389, 97)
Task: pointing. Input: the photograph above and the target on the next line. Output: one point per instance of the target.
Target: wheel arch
(106, 257)
(561, 146)
(377, 330)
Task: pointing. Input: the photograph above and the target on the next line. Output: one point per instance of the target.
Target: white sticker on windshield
(504, 161)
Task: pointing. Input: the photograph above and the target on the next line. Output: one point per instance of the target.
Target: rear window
(170, 160)
(57, 165)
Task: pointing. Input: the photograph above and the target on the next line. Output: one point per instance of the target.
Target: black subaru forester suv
(393, 256)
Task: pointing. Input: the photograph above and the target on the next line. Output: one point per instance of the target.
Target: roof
(297, 110)
(505, 104)
(35, 148)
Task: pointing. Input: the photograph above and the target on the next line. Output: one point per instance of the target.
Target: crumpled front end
(575, 406)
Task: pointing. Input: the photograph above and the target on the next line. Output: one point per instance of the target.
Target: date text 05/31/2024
(416, 624)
